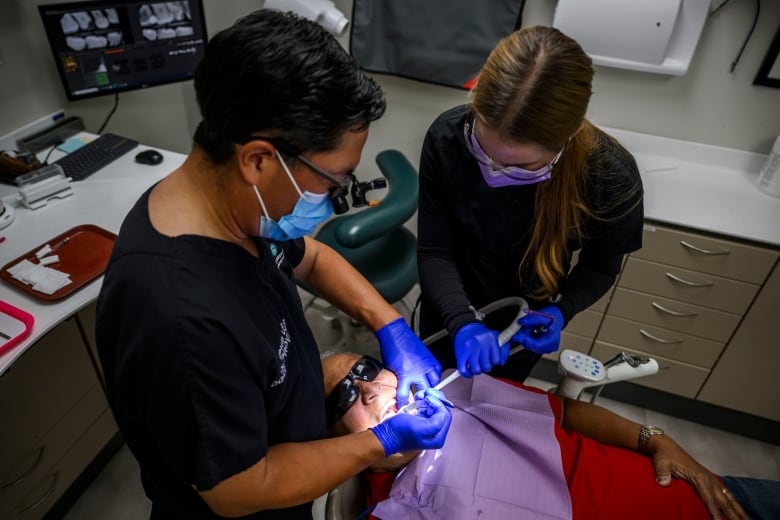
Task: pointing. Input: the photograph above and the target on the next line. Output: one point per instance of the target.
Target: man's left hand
(670, 460)
(404, 354)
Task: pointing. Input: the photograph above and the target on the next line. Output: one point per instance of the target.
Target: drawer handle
(676, 314)
(688, 283)
(703, 251)
(646, 334)
(46, 495)
(29, 472)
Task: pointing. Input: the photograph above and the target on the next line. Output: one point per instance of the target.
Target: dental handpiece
(503, 339)
(455, 375)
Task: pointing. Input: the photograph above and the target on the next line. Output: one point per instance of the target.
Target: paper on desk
(42, 278)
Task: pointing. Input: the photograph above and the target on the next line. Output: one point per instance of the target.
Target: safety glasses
(339, 189)
(346, 393)
(475, 149)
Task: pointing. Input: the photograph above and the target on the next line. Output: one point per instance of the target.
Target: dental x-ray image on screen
(105, 47)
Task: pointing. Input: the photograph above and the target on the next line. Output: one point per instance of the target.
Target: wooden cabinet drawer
(745, 377)
(601, 304)
(707, 255)
(30, 466)
(688, 286)
(673, 376)
(585, 323)
(87, 317)
(44, 492)
(40, 389)
(660, 342)
(672, 314)
(86, 320)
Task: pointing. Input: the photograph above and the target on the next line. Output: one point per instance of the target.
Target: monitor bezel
(90, 4)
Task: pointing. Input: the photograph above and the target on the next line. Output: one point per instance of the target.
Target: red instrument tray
(84, 252)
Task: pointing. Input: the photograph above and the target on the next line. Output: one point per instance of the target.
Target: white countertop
(703, 187)
(688, 184)
(102, 199)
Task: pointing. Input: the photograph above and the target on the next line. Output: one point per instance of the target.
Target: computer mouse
(150, 157)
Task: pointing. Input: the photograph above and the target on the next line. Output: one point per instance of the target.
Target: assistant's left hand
(404, 354)
(670, 460)
(539, 333)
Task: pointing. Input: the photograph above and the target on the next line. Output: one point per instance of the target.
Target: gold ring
(726, 492)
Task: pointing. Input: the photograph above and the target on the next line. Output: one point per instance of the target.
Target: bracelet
(645, 432)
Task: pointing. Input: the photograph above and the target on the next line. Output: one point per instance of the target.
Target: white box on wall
(658, 36)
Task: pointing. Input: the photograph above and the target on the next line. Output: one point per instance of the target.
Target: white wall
(30, 88)
(706, 105)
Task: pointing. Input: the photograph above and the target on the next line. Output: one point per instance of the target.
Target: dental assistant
(212, 372)
(512, 185)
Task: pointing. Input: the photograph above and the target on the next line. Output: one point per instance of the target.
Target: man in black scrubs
(212, 372)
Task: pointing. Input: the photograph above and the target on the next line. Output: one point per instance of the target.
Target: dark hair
(283, 76)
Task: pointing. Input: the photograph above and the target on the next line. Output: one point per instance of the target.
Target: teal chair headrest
(399, 204)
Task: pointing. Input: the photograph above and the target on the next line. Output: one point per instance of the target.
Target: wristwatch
(645, 432)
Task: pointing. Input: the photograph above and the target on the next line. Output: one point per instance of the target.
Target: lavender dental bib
(501, 460)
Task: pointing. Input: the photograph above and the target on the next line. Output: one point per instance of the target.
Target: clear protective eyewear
(515, 172)
(337, 193)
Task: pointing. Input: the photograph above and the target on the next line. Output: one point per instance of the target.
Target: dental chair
(375, 241)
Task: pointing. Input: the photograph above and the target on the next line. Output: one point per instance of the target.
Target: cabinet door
(38, 391)
(746, 378)
(49, 400)
(86, 320)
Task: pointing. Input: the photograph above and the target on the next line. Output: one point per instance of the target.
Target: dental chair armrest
(397, 207)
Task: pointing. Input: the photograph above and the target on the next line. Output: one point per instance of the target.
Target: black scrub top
(471, 237)
(208, 360)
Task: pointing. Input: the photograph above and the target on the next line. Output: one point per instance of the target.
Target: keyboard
(84, 161)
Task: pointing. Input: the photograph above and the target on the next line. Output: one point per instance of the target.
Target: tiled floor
(117, 492)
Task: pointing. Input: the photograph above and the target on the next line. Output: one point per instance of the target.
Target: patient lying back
(512, 452)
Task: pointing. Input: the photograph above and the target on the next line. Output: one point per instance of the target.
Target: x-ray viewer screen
(103, 47)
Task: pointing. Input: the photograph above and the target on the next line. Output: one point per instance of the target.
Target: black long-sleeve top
(471, 237)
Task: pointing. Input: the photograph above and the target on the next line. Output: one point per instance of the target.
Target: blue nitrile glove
(427, 429)
(477, 349)
(405, 355)
(540, 333)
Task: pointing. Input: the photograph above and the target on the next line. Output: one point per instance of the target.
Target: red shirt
(605, 482)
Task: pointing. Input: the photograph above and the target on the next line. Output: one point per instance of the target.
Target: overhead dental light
(324, 12)
(658, 36)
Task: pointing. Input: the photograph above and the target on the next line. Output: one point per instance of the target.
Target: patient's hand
(670, 460)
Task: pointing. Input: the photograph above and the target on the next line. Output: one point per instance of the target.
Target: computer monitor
(107, 46)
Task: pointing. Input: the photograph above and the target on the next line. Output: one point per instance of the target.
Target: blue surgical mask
(311, 210)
